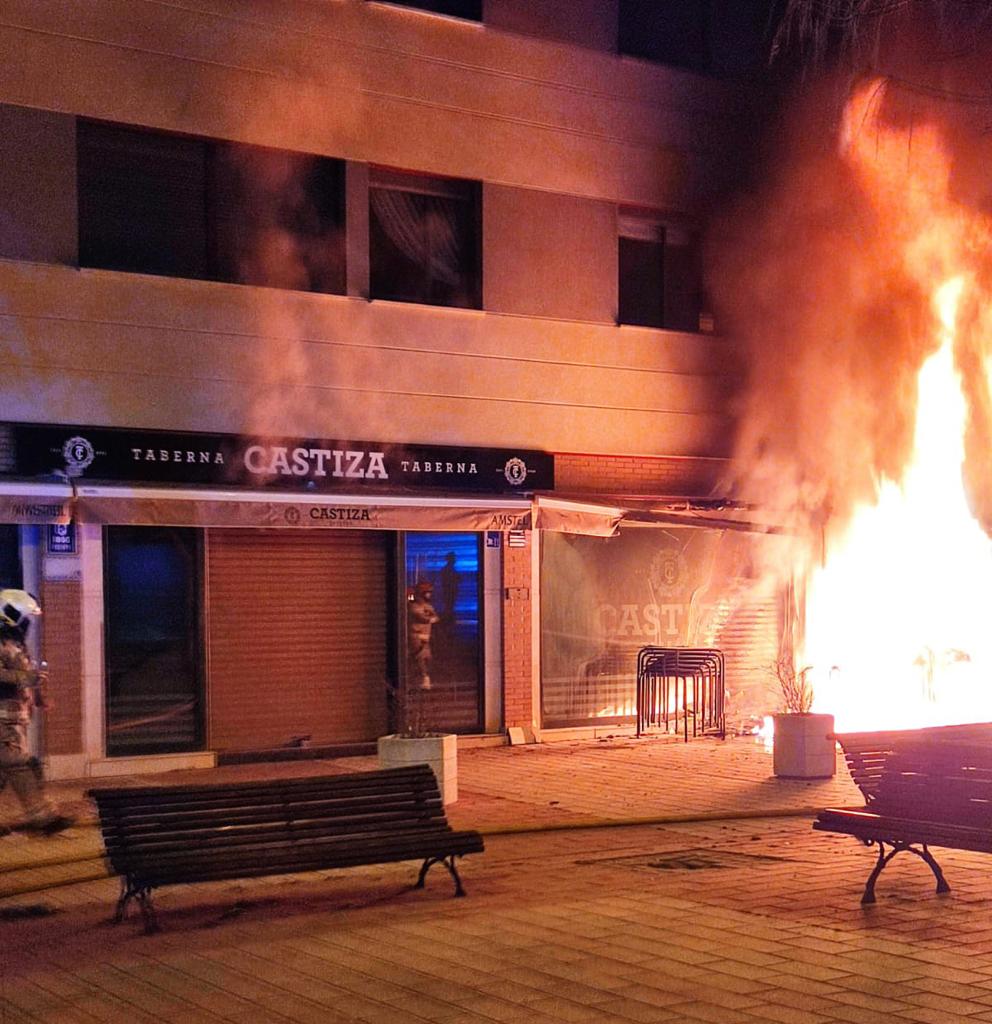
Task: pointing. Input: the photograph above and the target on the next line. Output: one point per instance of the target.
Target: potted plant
(416, 740)
(803, 746)
(414, 743)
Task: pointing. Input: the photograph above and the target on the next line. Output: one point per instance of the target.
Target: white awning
(575, 516)
(35, 503)
(112, 505)
(27, 502)
(603, 515)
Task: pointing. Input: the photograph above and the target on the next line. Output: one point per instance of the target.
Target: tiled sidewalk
(734, 922)
(715, 913)
(500, 789)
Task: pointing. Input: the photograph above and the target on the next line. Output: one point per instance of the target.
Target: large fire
(897, 624)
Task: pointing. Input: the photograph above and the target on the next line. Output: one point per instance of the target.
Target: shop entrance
(153, 647)
(451, 564)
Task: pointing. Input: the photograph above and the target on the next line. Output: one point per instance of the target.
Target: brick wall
(629, 474)
(62, 648)
(518, 700)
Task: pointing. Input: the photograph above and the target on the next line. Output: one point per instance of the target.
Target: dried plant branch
(797, 690)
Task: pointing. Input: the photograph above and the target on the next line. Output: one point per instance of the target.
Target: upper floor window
(424, 239)
(667, 31)
(659, 274)
(469, 9)
(154, 203)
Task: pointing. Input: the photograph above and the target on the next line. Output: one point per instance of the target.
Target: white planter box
(803, 747)
(440, 752)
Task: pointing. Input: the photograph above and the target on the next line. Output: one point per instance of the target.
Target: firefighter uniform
(20, 682)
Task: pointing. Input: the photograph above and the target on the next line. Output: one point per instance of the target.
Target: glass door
(153, 639)
(442, 587)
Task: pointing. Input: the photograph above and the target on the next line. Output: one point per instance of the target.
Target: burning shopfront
(242, 595)
(866, 427)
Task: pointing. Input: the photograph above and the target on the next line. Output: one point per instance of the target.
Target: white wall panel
(116, 349)
(378, 83)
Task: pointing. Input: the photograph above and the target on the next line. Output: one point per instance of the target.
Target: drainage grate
(689, 860)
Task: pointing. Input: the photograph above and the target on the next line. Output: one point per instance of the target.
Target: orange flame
(897, 626)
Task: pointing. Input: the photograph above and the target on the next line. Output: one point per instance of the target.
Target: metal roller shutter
(297, 637)
(749, 638)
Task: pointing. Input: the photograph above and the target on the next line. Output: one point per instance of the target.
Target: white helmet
(17, 608)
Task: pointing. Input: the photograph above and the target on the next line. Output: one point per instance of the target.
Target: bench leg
(449, 863)
(126, 893)
(143, 894)
(147, 910)
(927, 856)
(884, 858)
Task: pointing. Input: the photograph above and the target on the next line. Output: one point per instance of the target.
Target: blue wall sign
(62, 539)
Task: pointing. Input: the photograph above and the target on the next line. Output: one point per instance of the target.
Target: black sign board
(62, 539)
(313, 464)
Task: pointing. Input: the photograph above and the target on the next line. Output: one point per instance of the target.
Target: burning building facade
(305, 304)
(865, 425)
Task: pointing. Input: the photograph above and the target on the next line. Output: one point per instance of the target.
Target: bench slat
(274, 849)
(865, 825)
(327, 811)
(363, 779)
(276, 857)
(219, 870)
(414, 785)
(227, 840)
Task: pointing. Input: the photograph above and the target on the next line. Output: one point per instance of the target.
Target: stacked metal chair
(681, 684)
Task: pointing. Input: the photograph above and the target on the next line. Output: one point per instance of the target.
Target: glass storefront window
(10, 557)
(603, 599)
(450, 565)
(153, 640)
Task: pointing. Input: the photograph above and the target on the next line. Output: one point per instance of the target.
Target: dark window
(424, 240)
(667, 31)
(153, 203)
(154, 650)
(10, 557)
(470, 9)
(659, 277)
(142, 201)
(642, 282)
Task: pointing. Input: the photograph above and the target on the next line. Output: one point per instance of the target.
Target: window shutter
(297, 637)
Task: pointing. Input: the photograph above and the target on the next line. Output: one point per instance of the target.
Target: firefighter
(21, 693)
(420, 619)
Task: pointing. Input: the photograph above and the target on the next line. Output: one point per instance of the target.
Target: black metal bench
(922, 788)
(166, 835)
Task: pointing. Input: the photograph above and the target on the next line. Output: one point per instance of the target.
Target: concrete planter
(803, 747)
(440, 752)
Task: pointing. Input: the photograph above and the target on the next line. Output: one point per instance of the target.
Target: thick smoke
(812, 282)
(832, 331)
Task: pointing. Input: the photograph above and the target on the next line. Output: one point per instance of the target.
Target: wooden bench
(166, 835)
(922, 788)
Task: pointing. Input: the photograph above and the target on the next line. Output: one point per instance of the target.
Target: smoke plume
(823, 279)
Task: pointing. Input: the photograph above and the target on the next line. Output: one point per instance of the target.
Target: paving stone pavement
(622, 779)
(725, 910)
